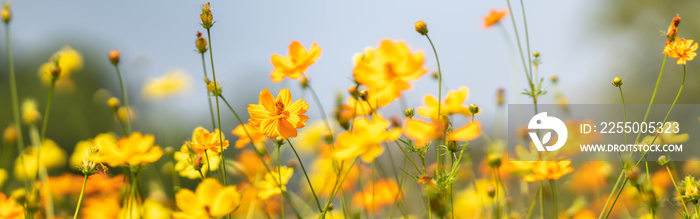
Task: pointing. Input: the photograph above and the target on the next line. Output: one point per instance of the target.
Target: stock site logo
(542, 121)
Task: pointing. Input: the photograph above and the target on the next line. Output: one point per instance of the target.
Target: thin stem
(439, 96)
(125, 99)
(517, 38)
(48, 110)
(552, 185)
(619, 179)
(80, 200)
(653, 96)
(13, 90)
(616, 197)
(320, 108)
(527, 37)
(624, 110)
(337, 188)
(677, 190)
(532, 206)
(279, 178)
(542, 200)
(306, 175)
(211, 109)
(218, 113)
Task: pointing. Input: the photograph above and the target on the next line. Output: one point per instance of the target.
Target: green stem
(211, 109)
(677, 190)
(439, 96)
(48, 110)
(218, 113)
(306, 175)
(527, 37)
(80, 200)
(279, 179)
(619, 179)
(542, 200)
(125, 99)
(517, 38)
(653, 96)
(320, 108)
(552, 185)
(13, 90)
(616, 197)
(337, 188)
(532, 206)
(624, 110)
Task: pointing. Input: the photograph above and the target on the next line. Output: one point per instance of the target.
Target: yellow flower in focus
(365, 140)
(681, 49)
(203, 140)
(242, 131)
(9, 208)
(268, 186)
(171, 83)
(494, 17)
(82, 149)
(296, 62)
(452, 104)
(376, 195)
(134, 150)
(185, 165)
(209, 200)
(69, 61)
(548, 170)
(51, 157)
(469, 132)
(423, 132)
(387, 71)
(278, 116)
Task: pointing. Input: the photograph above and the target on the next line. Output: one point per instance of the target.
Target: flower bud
(201, 43)
(30, 114)
(409, 113)
(395, 121)
(279, 141)
(6, 14)
(663, 160)
(452, 146)
(55, 70)
(500, 96)
(113, 103)
(292, 163)
(364, 94)
(353, 91)
(198, 162)
(169, 151)
(327, 137)
(473, 108)
(114, 56)
(617, 82)
(435, 75)
(490, 191)
(87, 167)
(421, 28)
(554, 79)
(536, 54)
(124, 113)
(495, 160)
(304, 81)
(214, 89)
(426, 180)
(10, 134)
(632, 174)
(206, 16)
(673, 29)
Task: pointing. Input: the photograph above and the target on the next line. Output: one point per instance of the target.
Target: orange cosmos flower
(278, 116)
(9, 208)
(494, 17)
(365, 140)
(202, 140)
(452, 104)
(134, 150)
(384, 193)
(469, 132)
(387, 70)
(255, 134)
(548, 170)
(422, 131)
(295, 63)
(681, 49)
(209, 200)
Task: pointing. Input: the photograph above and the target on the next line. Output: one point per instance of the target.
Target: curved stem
(438, 154)
(125, 99)
(218, 113)
(306, 175)
(80, 200)
(335, 191)
(517, 38)
(211, 108)
(653, 96)
(619, 179)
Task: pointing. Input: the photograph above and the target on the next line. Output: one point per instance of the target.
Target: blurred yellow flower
(310, 137)
(494, 17)
(122, 116)
(365, 139)
(251, 203)
(203, 140)
(249, 164)
(469, 132)
(423, 132)
(69, 61)
(278, 116)
(296, 62)
(101, 206)
(590, 177)
(209, 200)
(324, 175)
(171, 83)
(134, 150)
(153, 209)
(51, 157)
(268, 186)
(387, 70)
(186, 163)
(243, 140)
(82, 149)
(473, 199)
(9, 208)
(548, 170)
(383, 192)
(452, 104)
(3, 176)
(30, 112)
(354, 107)
(681, 49)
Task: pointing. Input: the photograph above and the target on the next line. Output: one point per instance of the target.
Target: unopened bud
(500, 96)
(632, 174)
(452, 146)
(409, 113)
(113, 103)
(169, 151)
(206, 16)
(10, 134)
(495, 160)
(114, 56)
(327, 137)
(55, 70)
(304, 81)
(536, 54)
(490, 191)
(421, 28)
(663, 160)
(292, 163)
(395, 121)
(213, 88)
(435, 75)
(473, 108)
(353, 91)
(279, 141)
(554, 79)
(617, 82)
(6, 14)
(363, 94)
(201, 43)
(198, 162)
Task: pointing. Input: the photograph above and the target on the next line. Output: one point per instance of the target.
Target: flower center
(280, 107)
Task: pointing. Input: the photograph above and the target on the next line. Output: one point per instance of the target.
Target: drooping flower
(9, 208)
(468, 132)
(365, 139)
(453, 103)
(681, 49)
(171, 83)
(376, 195)
(296, 62)
(387, 71)
(51, 156)
(494, 17)
(271, 182)
(209, 200)
(423, 131)
(194, 165)
(278, 116)
(548, 170)
(202, 140)
(134, 150)
(242, 131)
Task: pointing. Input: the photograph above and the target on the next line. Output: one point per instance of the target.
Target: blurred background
(585, 43)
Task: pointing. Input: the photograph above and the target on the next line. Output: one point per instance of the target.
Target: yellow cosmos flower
(473, 199)
(423, 132)
(387, 70)
(171, 83)
(365, 140)
(278, 116)
(9, 208)
(243, 140)
(209, 200)
(494, 17)
(134, 150)
(469, 132)
(51, 156)
(185, 165)
(268, 186)
(548, 170)
(69, 61)
(153, 209)
(376, 195)
(324, 177)
(296, 62)
(82, 149)
(681, 49)
(452, 104)
(202, 140)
